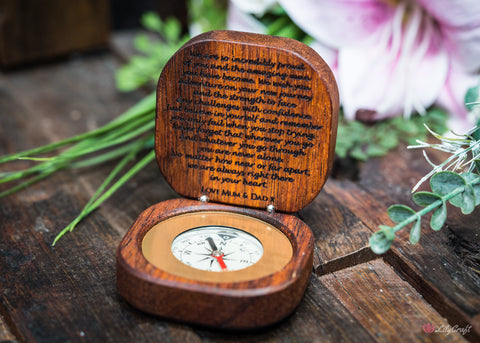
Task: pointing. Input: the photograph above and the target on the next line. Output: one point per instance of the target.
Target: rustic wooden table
(68, 293)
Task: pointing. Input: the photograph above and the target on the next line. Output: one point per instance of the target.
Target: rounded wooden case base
(228, 305)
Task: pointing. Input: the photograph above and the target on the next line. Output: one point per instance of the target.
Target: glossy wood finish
(246, 119)
(234, 305)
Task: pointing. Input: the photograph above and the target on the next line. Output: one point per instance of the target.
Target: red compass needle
(217, 253)
(220, 261)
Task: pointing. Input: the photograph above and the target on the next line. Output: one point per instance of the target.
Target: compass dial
(217, 248)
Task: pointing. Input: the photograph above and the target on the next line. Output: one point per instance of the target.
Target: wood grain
(233, 305)
(432, 266)
(341, 236)
(31, 30)
(387, 306)
(246, 119)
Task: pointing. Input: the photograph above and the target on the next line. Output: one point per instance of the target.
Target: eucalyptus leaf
(399, 213)
(474, 179)
(477, 165)
(439, 216)
(388, 231)
(472, 97)
(425, 198)
(415, 232)
(382, 240)
(446, 182)
(468, 200)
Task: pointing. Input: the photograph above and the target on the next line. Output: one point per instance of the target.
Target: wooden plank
(5, 334)
(63, 293)
(32, 31)
(319, 318)
(387, 306)
(341, 237)
(433, 266)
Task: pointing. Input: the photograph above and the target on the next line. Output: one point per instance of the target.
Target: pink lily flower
(395, 57)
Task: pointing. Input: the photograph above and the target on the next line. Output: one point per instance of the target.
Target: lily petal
(339, 23)
(459, 22)
(257, 7)
(452, 98)
(394, 71)
(240, 20)
(329, 55)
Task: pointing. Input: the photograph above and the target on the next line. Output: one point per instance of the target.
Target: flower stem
(96, 200)
(434, 205)
(143, 107)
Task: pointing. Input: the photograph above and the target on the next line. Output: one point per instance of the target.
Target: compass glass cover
(217, 248)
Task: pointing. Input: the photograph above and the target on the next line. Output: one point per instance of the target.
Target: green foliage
(382, 240)
(124, 137)
(472, 98)
(361, 141)
(207, 15)
(145, 69)
(278, 23)
(460, 190)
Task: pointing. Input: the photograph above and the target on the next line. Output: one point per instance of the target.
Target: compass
(217, 248)
(185, 260)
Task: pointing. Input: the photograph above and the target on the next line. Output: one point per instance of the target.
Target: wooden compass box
(248, 122)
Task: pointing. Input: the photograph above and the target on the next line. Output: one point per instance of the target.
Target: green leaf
(476, 133)
(375, 150)
(425, 198)
(477, 165)
(439, 217)
(399, 213)
(472, 97)
(152, 21)
(382, 240)
(172, 29)
(361, 141)
(142, 43)
(358, 153)
(446, 182)
(468, 200)
(387, 139)
(277, 25)
(472, 177)
(415, 232)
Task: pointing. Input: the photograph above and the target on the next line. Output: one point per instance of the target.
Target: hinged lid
(247, 120)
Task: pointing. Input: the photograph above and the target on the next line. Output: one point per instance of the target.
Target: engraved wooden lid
(247, 120)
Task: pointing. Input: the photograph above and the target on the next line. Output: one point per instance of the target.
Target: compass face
(217, 248)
